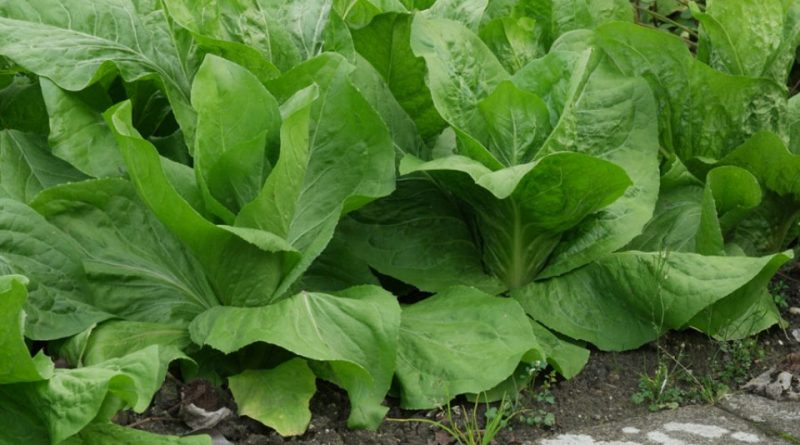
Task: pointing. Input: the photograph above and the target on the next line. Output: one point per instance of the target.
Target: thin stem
(666, 19)
(147, 420)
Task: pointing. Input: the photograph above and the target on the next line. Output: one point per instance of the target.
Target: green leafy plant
(464, 426)
(215, 186)
(673, 384)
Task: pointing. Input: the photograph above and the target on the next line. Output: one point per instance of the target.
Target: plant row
(223, 186)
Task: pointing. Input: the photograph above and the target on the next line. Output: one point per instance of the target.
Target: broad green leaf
(359, 13)
(78, 133)
(21, 106)
(466, 12)
(418, 235)
(462, 72)
(305, 22)
(16, 363)
(705, 113)
(236, 116)
(736, 192)
(63, 405)
(555, 78)
(767, 228)
(693, 217)
(461, 340)
(748, 37)
(136, 269)
(83, 43)
(277, 397)
(517, 121)
(611, 117)
(625, 300)
(60, 301)
(564, 356)
(242, 31)
(275, 206)
(521, 212)
(562, 16)
(283, 32)
(747, 311)
(350, 159)
(354, 330)
(107, 433)
(766, 157)
(118, 338)
(586, 14)
(27, 166)
(514, 40)
(240, 272)
(386, 44)
(376, 91)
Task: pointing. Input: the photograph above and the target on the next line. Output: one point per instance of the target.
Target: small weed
(463, 425)
(673, 384)
(543, 396)
(779, 291)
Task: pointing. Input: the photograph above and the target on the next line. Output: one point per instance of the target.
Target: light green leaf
(60, 303)
(277, 397)
(354, 330)
(27, 166)
(467, 12)
(243, 31)
(736, 192)
(587, 14)
(62, 406)
(748, 310)
(274, 208)
(685, 219)
(522, 211)
(625, 300)
(84, 43)
(118, 338)
(705, 113)
(462, 72)
(78, 133)
(359, 13)
(766, 157)
(611, 117)
(241, 273)
(514, 40)
(135, 268)
(236, 116)
(461, 340)
(518, 123)
(350, 159)
(564, 356)
(752, 38)
(376, 91)
(16, 363)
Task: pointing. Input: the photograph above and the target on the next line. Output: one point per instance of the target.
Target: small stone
(794, 310)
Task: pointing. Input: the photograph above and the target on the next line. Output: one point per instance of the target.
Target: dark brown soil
(601, 393)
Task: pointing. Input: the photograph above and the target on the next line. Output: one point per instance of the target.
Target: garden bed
(602, 392)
